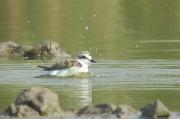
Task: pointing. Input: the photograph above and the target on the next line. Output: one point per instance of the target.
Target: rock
(123, 111)
(11, 48)
(40, 99)
(44, 50)
(98, 109)
(108, 110)
(20, 111)
(35, 101)
(156, 110)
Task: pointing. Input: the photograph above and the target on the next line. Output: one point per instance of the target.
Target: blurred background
(110, 29)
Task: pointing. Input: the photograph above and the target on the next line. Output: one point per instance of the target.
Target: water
(117, 29)
(136, 44)
(135, 82)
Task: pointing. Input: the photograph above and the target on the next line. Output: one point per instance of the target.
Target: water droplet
(86, 28)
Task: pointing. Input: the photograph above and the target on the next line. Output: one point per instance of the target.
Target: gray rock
(156, 110)
(11, 48)
(40, 99)
(123, 111)
(35, 101)
(46, 49)
(98, 109)
(107, 110)
(20, 111)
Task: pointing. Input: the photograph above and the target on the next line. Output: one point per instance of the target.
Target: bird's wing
(62, 65)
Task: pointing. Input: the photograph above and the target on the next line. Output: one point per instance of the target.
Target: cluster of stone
(38, 101)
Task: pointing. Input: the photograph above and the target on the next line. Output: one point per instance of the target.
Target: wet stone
(34, 101)
(123, 111)
(98, 109)
(156, 110)
(20, 111)
(45, 50)
(11, 48)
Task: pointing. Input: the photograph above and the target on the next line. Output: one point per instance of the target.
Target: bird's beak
(93, 61)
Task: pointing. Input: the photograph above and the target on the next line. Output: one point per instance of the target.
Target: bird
(71, 67)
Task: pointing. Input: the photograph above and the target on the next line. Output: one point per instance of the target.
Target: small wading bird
(71, 67)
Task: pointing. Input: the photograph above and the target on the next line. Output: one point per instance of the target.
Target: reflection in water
(73, 93)
(84, 92)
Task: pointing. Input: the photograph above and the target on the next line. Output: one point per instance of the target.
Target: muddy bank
(38, 102)
(44, 50)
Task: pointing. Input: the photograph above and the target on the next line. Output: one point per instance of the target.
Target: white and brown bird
(70, 67)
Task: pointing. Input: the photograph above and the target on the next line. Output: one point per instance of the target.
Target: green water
(136, 43)
(135, 82)
(118, 29)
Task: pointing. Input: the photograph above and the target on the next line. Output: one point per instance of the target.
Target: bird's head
(84, 55)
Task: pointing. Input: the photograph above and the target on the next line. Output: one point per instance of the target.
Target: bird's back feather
(62, 65)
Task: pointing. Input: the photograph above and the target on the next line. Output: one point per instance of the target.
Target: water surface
(135, 82)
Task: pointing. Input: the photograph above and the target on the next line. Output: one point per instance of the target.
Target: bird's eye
(83, 57)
